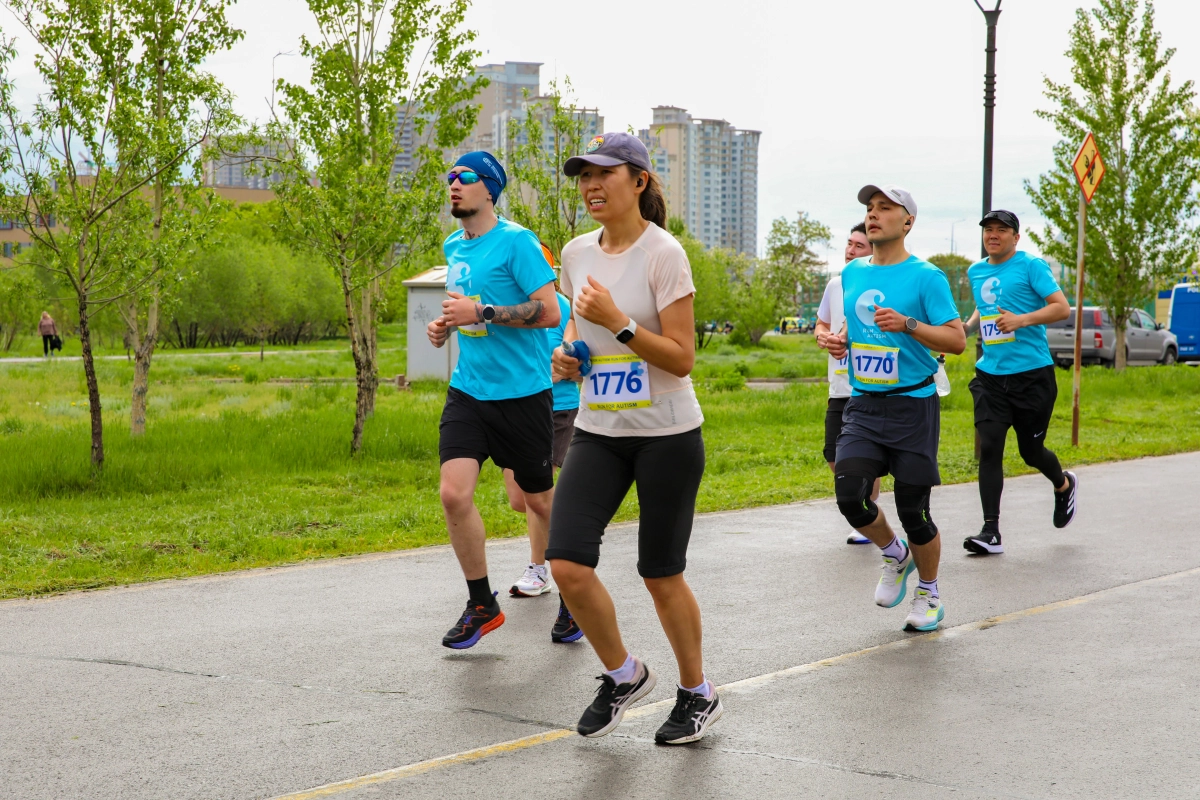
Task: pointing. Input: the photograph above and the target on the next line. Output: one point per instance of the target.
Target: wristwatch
(488, 312)
(910, 324)
(626, 333)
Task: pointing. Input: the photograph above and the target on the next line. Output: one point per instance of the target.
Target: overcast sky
(845, 92)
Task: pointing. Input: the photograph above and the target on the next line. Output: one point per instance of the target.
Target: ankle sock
(929, 586)
(705, 688)
(895, 549)
(481, 591)
(625, 672)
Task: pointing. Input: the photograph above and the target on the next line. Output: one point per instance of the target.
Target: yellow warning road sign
(1088, 167)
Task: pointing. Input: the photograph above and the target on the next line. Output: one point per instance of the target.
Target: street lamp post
(989, 117)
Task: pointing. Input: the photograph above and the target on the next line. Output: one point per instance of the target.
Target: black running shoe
(476, 621)
(565, 629)
(612, 701)
(986, 542)
(690, 719)
(1064, 502)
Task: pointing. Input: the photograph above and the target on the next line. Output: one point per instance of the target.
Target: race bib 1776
(875, 363)
(992, 334)
(617, 383)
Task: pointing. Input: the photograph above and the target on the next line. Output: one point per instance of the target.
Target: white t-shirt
(649, 276)
(833, 313)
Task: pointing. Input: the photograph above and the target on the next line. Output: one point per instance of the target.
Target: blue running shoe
(927, 612)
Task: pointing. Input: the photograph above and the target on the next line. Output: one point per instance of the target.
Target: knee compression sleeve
(853, 483)
(912, 506)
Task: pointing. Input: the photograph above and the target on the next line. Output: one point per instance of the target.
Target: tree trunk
(1119, 348)
(93, 387)
(360, 322)
(143, 352)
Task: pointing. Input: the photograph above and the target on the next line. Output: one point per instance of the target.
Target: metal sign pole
(1078, 322)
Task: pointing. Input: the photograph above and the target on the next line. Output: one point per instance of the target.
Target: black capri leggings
(597, 475)
(991, 461)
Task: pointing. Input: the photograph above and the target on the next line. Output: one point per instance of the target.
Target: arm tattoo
(528, 313)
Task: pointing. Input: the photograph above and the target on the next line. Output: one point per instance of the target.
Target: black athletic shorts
(833, 426)
(564, 429)
(517, 434)
(901, 432)
(1023, 400)
(594, 481)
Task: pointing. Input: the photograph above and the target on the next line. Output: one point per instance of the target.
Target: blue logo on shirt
(865, 306)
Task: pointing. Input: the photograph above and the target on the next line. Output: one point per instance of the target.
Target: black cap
(609, 150)
(1003, 217)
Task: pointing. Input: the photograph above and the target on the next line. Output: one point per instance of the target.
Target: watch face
(624, 336)
(489, 312)
(910, 324)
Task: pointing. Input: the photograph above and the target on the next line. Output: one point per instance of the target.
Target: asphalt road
(1067, 668)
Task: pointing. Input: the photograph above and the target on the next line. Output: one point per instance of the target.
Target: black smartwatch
(488, 313)
(626, 333)
(910, 324)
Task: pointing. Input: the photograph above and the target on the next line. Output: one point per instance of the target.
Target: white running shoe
(893, 583)
(534, 582)
(927, 612)
(856, 538)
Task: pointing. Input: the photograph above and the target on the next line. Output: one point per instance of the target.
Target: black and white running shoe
(1064, 502)
(690, 719)
(986, 542)
(613, 700)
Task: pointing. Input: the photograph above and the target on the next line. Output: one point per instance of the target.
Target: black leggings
(991, 462)
(46, 337)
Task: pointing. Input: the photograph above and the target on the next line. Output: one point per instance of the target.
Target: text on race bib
(479, 328)
(875, 363)
(617, 383)
(840, 364)
(992, 334)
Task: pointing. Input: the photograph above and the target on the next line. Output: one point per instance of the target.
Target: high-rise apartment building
(246, 169)
(710, 173)
(508, 84)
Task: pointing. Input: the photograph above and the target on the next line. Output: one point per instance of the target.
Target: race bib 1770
(617, 383)
(992, 334)
(875, 363)
(478, 329)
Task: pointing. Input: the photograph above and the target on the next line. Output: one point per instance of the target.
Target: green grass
(242, 474)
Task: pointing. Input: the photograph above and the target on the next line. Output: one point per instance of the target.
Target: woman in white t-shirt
(631, 292)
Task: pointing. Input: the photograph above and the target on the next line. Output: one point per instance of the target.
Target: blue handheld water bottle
(577, 349)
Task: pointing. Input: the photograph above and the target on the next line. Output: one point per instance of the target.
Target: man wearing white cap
(898, 307)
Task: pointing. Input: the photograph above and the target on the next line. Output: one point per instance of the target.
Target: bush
(742, 368)
(739, 337)
(727, 382)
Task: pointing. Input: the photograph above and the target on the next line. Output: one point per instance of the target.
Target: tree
(793, 267)
(1141, 223)
(97, 60)
(20, 303)
(350, 207)
(712, 280)
(955, 267)
(541, 197)
(756, 302)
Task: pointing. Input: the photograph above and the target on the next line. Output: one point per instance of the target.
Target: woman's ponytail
(651, 202)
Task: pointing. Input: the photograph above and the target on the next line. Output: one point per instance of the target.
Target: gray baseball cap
(892, 192)
(609, 150)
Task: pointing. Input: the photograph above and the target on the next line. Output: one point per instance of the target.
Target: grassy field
(242, 473)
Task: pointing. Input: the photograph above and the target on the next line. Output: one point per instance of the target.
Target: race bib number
(840, 364)
(617, 383)
(993, 335)
(479, 328)
(875, 363)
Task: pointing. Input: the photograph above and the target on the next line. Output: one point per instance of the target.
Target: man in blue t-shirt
(1014, 384)
(501, 299)
(898, 308)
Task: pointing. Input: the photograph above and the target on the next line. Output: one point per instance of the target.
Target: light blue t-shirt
(1020, 285)
(566, 393)
(880, 361)
(503, 267)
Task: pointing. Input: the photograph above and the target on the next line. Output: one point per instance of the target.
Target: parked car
(1145, 339)
(1183, 320)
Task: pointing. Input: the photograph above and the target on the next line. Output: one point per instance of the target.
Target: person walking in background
(48, 330)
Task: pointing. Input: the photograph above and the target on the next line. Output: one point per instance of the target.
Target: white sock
(541, 568)
(625, 672)
(896, 549)
(705, 688)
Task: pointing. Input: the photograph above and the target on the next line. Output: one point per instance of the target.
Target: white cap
(891, 191)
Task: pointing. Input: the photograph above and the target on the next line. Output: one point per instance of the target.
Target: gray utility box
(425, 295)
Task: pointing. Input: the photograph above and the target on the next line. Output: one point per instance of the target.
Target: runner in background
(832, 319)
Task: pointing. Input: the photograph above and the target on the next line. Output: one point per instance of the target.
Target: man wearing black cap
(499, 404)
(1014, 384)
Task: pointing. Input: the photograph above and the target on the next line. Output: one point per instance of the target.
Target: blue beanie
(488, 168)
